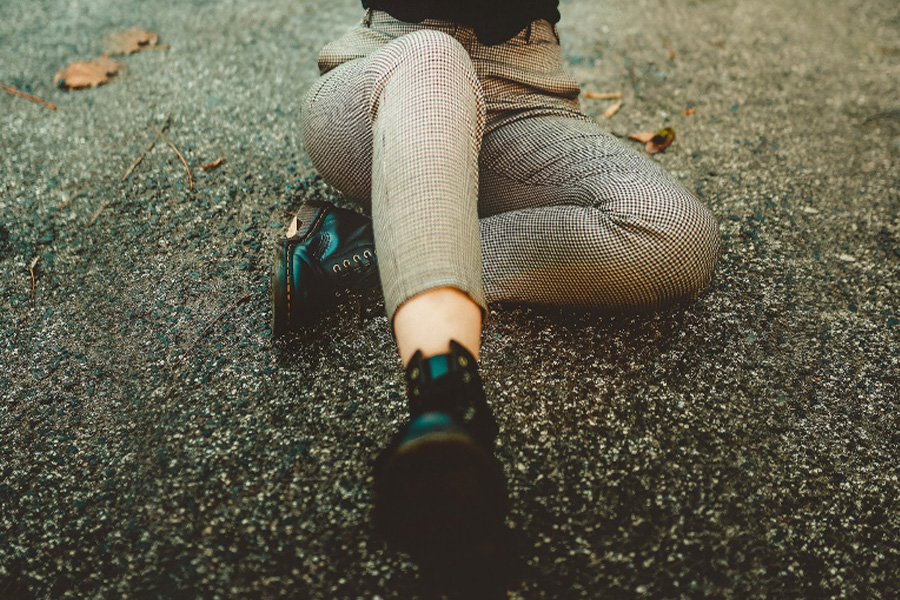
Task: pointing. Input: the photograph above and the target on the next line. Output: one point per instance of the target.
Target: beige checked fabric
(481, 173)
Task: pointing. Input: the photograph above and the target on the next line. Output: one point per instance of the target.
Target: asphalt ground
(155, 442)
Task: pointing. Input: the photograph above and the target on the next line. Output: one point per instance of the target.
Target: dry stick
(134, 165)
(240, 300)
(670, 48)
(97, 212)
(150, 147)
(603, 96)
(184, 162)
(30, 268)
(73, 196)
(613, 109)
(12, 91)
(213, 164)
(139, 159)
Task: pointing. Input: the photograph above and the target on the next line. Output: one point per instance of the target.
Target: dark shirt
(494, 21)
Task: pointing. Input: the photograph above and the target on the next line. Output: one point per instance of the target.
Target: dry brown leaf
(613, 109)
(655, 142)
(603, 95)
(129, 41)
(662, 140)
(690, 111)
(642, 136)
(213, 164)
(90, 73)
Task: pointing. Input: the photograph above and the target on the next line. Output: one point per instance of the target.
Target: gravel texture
(745, 446)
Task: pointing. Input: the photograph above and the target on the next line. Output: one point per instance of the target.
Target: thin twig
(206, 329)
(670, 48)
(30, 266)
(97, 212)
(603, 96)
(213, 164)
(12, 91)
(165, 124)
(79, 192)
(139, 159)
(613, 109)
(184, 162)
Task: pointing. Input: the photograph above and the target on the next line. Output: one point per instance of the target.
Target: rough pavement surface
(745, 446)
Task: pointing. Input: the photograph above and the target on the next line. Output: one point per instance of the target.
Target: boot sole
(443, 499)
(278, 293)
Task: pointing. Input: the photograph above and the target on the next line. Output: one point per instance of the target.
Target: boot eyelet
(414, 374)
(336, 268)
(367, 254)
(356, 258)
(346, 262)
(466, 377)
(463, 361)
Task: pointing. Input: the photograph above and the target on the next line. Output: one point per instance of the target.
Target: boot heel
(329, 251)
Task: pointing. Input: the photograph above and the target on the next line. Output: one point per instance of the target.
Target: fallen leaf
(129, 41)
(642, 137)
(690, 111)
(213, 164)
(89, 73)
(613, 109)
(662, 140)
(655, 142)
(603, 95)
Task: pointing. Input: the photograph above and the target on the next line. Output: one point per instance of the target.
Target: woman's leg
(403, 127)
(576, 218)
(427, 322)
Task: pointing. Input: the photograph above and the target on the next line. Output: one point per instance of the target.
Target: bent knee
(427, 50)
(699, 244)
(685, 238)
(673, 247)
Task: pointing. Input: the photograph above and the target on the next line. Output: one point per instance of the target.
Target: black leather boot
(440, 495)
(332, 252)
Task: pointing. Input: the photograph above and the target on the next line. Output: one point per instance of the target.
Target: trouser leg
(575, 218)
(403, 126)
(571, 216)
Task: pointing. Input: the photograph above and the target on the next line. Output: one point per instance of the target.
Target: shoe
(328, 251)
(440, 495)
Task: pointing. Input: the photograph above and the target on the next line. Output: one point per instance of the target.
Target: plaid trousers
(480, 173)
